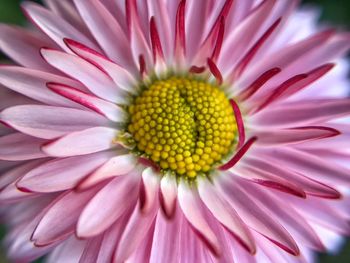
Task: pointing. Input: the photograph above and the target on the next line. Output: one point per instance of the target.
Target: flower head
(173, 131)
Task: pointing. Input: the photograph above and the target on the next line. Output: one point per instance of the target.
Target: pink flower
(173, 131)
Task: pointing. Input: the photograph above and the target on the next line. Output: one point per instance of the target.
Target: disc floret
(183, 124)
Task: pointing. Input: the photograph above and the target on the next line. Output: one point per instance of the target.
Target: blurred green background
(335, 11)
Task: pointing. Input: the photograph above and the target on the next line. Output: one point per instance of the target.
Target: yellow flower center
(183, 124)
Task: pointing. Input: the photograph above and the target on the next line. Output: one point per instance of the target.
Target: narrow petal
(68, 11)
(20, 147)
(17, 172)
(115, 166)
(32, 83)
(69, 251)
(290, 218)
(304, 113)
(255, 216)
(166, 243)
(83, 142)
(121, 77)
(239, 154)
(191, 206)
(168, 191)
(309, 165)
(135, 231)
(242, 37)
(49, 122)
(105, 108)
(63, 214)
(61, 174)
(224, 213)
(140, 46)
(111, 202)
(92, 77)
(91, 249)
(22, 46)
(309, 186)
(54, 26)
(106, 30)
(295, 135)
(149, 189)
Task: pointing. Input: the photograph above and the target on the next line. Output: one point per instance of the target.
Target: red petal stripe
(239, 154)
(240, 123)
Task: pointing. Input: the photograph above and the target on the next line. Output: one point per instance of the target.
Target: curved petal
(49, 122)
(191, 206)
(54, 26)
(168, 194)
(105, 108)
(91, 76)
(20, 147)
(63, 213)
(224, 213)
(111, 203)
(106, 30)
(82, 142)
(135, 231)
(255, 216)
(22, 46)
(115, 166)
(32, 83)
(149, 189)
(61, 174)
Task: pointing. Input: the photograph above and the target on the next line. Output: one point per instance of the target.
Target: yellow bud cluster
(184, 125)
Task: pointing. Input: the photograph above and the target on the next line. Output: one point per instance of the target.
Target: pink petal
(242, 37)
(303, 112)
(61, 174)
(91, 250)
(32, 84)
(269, 180)
(149, 189)
(94, 79)
(139, 44)
(168, 191)
(191, 205)
(180, 34)
(291, 219)
(295, 135)
(292, 54)
(319, 212)
(17, 172)
(54, 26)
(83, 142)
(70, 251)
(309, 186)
(22, 46)
(68, 11)
(255, 216)
(115, 166)
(49, 122)
(116, 198)
(20, 147)
(158, 10)
(106, 30)
(134, 233)
(105, 108)
(111, 239)
(63, 215)
(166, 243)
(309, 165)
(11, 194)
(121, 77)
(224, 213)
